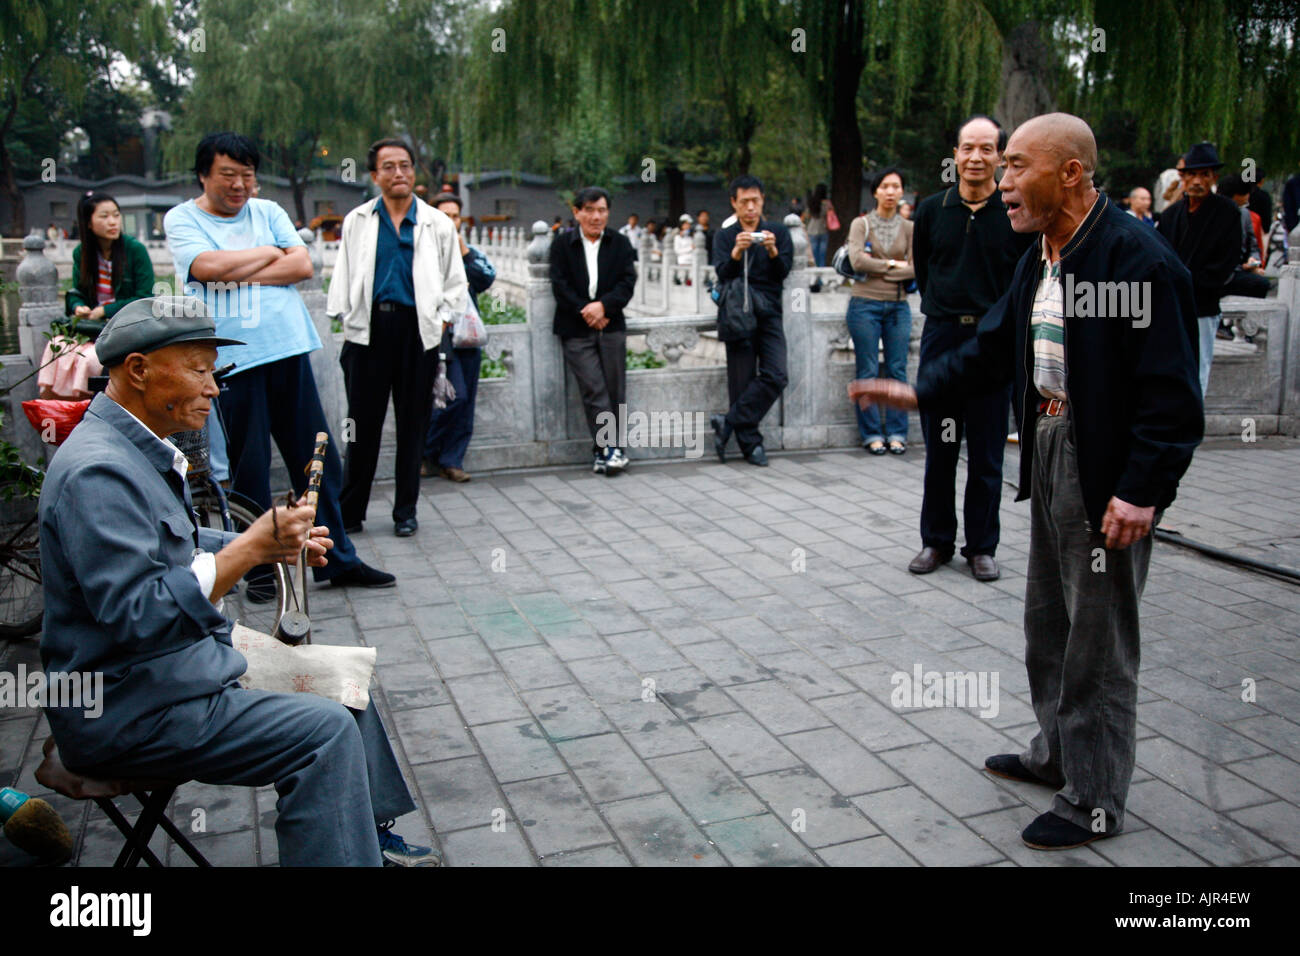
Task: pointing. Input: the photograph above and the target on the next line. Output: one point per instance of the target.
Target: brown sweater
(885, 283)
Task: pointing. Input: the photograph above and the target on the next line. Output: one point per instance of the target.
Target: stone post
(644, 255)
(325, 366)
(1288, 294)
(548, 358)
(805, 360)
(38, 292)
(698, 265)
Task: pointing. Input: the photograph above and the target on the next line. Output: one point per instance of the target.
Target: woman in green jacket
(108, 269)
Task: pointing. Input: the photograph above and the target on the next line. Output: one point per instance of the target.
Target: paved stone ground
(770, 608)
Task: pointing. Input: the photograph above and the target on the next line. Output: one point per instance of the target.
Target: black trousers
(756, 374)
(394, 362)
(599, 364)
(983, 420)
(279, 400)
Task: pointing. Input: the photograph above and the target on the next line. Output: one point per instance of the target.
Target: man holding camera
(756, 365)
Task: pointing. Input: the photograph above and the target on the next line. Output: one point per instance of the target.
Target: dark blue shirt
(394, 253)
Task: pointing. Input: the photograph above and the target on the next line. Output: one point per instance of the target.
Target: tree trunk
(1026, 69)
(9, 184)
(843, 132)
(676, 195)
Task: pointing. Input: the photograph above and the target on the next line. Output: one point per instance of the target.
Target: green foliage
(492, 368)
(646, 359)
(495, 312)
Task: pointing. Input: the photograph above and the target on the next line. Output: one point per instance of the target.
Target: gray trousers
(599, 363)
(332, 767)
(1081, 641)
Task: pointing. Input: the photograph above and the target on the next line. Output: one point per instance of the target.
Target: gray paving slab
(555, 815)
(772, 674)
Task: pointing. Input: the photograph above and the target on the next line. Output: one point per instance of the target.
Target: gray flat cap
(149, 324)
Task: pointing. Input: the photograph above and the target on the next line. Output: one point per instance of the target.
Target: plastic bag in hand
(443, 392)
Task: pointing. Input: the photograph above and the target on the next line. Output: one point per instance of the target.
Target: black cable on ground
(1289, 575)
(1173, 537)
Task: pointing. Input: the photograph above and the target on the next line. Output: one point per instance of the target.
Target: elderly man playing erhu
(131, 591)
(1109, 407)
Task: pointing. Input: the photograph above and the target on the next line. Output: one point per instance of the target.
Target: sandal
(897, 447)
(876, 447)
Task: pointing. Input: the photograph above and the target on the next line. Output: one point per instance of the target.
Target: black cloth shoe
(721, 432)
(1009, 766)
(983, 567)
(929, 559)
(405, 528)
(757, 456)
(363, 575)
(1050, 832)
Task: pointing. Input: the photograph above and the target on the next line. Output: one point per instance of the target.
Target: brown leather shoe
(983, 567)
(453, 474)
(928, 560)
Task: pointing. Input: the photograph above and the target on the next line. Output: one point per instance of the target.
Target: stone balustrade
(532, 416)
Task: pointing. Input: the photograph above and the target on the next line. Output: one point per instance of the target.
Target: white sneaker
(599, 465)
(617, 460)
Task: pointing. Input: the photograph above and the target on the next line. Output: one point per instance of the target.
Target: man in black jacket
(1098, 333)
(964, 251)
(756, 366)
(1205, 230)
(593, 273)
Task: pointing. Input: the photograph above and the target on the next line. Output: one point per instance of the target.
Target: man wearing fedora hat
(1205, 230)
(132, 591)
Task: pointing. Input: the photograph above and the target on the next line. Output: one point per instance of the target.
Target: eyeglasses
(389, 168)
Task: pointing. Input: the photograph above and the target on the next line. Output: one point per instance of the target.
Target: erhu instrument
(294, 627)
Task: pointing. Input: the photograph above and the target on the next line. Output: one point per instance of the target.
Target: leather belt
(1052, 407)
(393, 307)
(959, 319)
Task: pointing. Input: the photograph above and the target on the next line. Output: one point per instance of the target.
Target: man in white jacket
(398, 282)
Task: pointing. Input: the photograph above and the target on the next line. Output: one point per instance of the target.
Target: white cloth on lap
(337, 673)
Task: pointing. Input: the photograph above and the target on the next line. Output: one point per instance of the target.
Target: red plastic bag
(64, 416)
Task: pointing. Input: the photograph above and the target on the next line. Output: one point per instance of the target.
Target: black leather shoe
(352, 528)
(363, 576)
(721, 432)
(983, 567)
(1050, 832)
(757, 456)
(928, 560)
(1009, 766)
(405, 528)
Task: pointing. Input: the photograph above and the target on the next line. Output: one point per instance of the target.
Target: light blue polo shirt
(271, 319)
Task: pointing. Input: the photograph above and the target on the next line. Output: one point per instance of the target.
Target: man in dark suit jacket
(589, 318)
(1205, 230)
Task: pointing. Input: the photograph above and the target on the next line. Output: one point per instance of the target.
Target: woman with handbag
(880, 250)
(820, 216)
(452, 426)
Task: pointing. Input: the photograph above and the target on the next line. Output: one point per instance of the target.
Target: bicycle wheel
(272, 582)
(22, 596)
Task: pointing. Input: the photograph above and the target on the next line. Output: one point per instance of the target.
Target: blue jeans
(819, 248)
(869, 322)
(1209, 324)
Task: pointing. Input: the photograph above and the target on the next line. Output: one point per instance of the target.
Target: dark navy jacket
(1135, 398)
(117, 540)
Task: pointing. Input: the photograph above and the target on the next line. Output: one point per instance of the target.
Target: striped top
(1047, 325)
(104, 284)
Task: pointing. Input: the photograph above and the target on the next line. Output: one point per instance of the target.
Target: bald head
(1050, 163)
(1063, 135)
